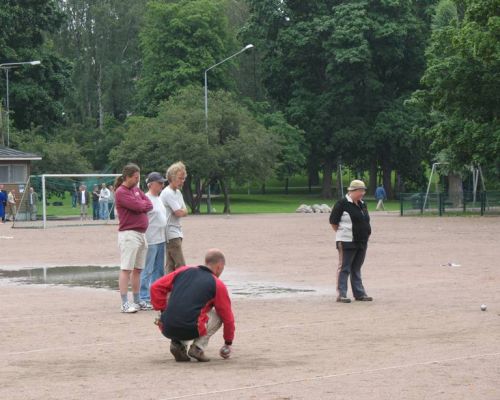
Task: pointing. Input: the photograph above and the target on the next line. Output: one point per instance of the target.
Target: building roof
(8, 154)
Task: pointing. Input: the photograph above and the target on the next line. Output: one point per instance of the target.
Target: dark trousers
(95, 210)
(351, 258)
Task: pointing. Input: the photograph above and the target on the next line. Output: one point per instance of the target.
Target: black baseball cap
(155, 177)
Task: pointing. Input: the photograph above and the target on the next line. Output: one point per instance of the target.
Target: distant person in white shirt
(83, 200)
(104, 196)
(156, 239)
(173, 201)
(33, 203)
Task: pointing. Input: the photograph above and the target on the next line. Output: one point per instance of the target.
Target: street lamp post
(248, 46)
(7, 67)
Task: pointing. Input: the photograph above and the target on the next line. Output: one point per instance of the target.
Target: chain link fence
(480, 203)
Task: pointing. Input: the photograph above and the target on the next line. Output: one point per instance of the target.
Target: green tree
(333, 66)
(60, 154)
(179, 40)
(462, 83)
(36, 92)
(235, 148)
(101, 38)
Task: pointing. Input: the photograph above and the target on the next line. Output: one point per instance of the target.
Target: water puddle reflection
(107, 278)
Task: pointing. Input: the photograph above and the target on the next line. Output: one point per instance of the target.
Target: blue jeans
(154, 269)
(103, 210)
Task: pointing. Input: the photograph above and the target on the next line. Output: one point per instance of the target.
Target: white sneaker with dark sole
(128, 308)
(143, 306)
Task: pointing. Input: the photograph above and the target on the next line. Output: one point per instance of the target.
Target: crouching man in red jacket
(194, 303)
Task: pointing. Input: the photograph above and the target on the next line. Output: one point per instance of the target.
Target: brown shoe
(364, 298)
(178, 350)
(196, 352)
(342, 299)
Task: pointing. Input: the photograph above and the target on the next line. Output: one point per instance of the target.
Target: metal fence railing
(482, 203)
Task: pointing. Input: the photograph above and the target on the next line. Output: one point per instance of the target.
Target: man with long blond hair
(173, 201)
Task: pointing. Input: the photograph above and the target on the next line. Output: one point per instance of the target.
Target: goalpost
(59, 186)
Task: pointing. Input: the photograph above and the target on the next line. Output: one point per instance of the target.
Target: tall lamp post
(248, 46)
(7, 67)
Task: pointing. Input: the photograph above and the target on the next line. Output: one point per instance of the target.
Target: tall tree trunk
(225, 191)
(286, 185)
(372, 183)
(455, 189)
(187, 193)
(312, 177)
(340, 183)
(99, 99)
(263, 188)
(326, 191)
(386, 180)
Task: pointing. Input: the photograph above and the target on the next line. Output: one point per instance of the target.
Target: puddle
(107, 278)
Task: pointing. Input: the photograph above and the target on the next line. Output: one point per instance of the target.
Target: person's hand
(225, 351)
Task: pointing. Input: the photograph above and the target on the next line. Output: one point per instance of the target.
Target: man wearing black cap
(155, 238)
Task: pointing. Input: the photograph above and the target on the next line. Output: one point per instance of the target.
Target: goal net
(61, 199)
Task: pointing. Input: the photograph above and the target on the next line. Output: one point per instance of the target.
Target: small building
(15, 169)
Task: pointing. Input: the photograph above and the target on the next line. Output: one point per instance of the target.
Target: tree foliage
(235, 147)
(179, 40)
(36, 93)
(333, 66)
(462, 83)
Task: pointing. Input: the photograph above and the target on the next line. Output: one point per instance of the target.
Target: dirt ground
(424, 336)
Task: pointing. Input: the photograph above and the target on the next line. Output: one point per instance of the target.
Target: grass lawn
(240, 204)
(281, 203)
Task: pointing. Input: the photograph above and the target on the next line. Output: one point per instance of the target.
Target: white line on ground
(316, 378)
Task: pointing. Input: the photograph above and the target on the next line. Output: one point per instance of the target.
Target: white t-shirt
(173, 201)
(157, 217)
(104, 194)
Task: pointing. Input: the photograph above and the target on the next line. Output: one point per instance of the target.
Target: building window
(13, 173)
(4, 173)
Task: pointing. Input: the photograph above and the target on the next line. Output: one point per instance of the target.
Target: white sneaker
(143, 305)
(129, 308)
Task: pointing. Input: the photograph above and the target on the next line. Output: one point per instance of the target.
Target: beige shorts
(133, 249)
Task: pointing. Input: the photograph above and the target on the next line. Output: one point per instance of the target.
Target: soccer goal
(66, 199)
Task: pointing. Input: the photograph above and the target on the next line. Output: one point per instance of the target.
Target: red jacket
(191, 292)
(132, 206)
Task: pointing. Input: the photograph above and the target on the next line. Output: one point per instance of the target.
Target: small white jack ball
(483, 307)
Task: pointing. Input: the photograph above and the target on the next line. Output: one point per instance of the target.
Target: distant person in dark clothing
(74, 196)
(351, 223)
(95, 202)
(3, 202)
(194, 304)
(380, 196)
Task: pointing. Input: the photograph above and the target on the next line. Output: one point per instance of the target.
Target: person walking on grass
(351, 223)
(155, 237)
(194, 303)
(173, 201)
(132, 206)
(380, 196)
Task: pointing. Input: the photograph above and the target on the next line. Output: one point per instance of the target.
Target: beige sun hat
(356, 184)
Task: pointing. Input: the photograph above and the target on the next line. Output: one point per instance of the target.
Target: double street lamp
(7, 67)
(248, 46)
